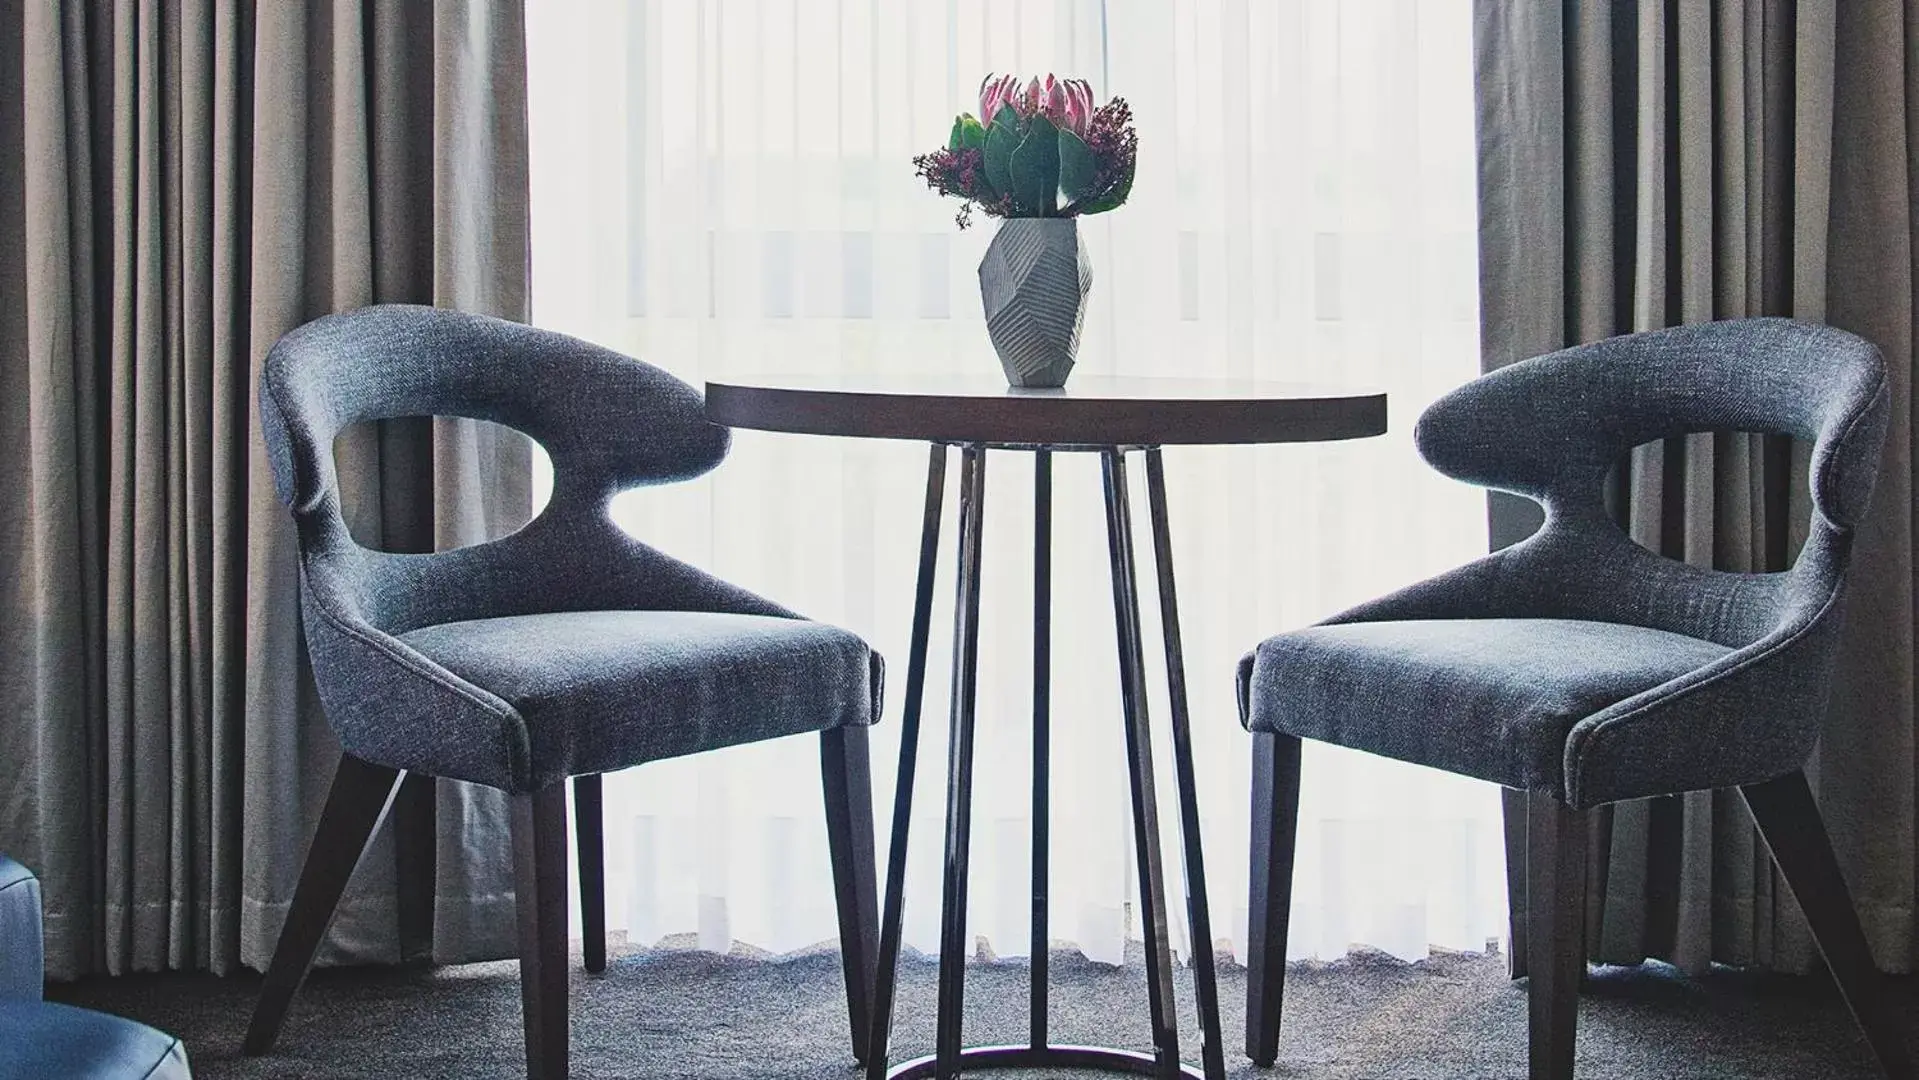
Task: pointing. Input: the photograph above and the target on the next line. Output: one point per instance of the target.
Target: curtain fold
(1648, 164)
(181, 182)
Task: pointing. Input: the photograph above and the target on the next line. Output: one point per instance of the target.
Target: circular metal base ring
(1043, 1057)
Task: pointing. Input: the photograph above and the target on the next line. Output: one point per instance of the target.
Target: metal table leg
(887, 976)
(1139, 754)
(949, 1057)
(1042, 738)
(959, 772)
(1199, 922)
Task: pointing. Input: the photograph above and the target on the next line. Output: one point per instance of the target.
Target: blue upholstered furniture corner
(41, 1039)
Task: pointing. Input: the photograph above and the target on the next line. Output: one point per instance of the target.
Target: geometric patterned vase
(1034, 282)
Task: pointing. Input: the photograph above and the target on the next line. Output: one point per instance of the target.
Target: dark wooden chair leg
(415, 859)
(1512, 807)
(846, 776)
(1788, 819)
(1275, 830)
(1556, 841)
(539, 877)
(355, 805)
(591, 840)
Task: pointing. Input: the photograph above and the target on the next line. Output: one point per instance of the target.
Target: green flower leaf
(1001, 141)
(1113, 199)
(1007, 118)
(1077, 167)
(972, 134)
(1036, 169)
(953, 140)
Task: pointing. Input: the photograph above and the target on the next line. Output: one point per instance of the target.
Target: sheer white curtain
(723, 187)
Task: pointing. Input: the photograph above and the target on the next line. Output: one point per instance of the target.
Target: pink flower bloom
(1077, 109)
(1068, 103)
(994, 92)
(1055, 100)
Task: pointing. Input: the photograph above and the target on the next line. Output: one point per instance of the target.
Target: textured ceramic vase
(1034, 282)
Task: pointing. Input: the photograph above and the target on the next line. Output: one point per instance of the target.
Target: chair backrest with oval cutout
(608, 422)
(1553, 428)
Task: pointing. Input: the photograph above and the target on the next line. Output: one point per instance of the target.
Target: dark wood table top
(1090, 410)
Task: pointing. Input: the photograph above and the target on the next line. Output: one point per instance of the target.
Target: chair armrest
(22, 951)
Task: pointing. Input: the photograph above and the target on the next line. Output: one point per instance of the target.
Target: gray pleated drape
(182, 181)
(1650, 163)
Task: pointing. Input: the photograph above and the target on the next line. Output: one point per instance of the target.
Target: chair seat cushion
(603, 690)
(42, 1039)
(1491, 698)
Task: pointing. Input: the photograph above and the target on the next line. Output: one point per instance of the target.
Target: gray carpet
(667, 1013)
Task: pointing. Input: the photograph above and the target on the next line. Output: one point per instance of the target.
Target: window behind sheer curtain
(724, 187)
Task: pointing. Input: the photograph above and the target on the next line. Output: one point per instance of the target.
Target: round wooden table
(1112, 417)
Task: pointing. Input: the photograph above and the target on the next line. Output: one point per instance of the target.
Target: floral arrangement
(1044, 150)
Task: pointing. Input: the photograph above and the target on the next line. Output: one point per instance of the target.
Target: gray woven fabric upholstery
(701, 680)
(1500, 696)
(1653, 676)
(446, 700)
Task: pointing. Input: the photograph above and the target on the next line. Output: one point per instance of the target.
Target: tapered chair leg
(1556, 839)
(591, 841)
(539, 877)
(415, 862)
(846, 776)
(356, 804)
(1275, 829)
(1789, 820)
(1513, 816)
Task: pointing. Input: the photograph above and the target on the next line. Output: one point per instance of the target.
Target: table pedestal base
(950, 1059)
(1049, 1057)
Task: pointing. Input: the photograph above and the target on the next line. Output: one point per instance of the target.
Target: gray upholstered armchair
(567, 649)
(1582, 668)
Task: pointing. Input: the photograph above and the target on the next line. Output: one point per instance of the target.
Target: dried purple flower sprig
(1046, 151)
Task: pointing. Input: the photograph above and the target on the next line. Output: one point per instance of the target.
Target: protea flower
(995, 92)
(1055, 93)
(1069, 105)
(1061, 155)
